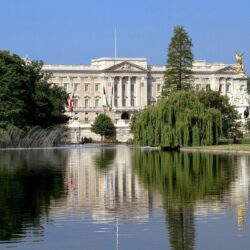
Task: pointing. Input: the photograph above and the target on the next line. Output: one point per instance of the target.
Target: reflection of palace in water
(237, 197)
(102, 182)
(240, 190)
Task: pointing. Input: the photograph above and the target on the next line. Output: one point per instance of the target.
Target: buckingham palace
(122, 86)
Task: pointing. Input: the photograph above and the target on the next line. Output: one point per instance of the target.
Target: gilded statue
(239, 66)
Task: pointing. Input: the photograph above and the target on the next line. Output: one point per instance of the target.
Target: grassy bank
(230, 148)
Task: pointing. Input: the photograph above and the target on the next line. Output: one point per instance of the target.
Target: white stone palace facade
(122, 86)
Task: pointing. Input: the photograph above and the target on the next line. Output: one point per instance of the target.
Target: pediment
(126, 67)
(227, 70)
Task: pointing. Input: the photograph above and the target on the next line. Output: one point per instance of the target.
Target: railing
(100, 109)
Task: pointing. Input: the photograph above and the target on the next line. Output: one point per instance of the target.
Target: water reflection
(118, 185)
(101, 182)
(29, 181)
(192, 184)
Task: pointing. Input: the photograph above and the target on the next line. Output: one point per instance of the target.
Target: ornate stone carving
(239, 69)
(126, 67)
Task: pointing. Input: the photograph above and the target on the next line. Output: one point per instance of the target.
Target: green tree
(26, 97)
(103, 126)
(246, 113)
(247, 125)
(104, 159)
(179, 120)
(230, 116)
(178, 74)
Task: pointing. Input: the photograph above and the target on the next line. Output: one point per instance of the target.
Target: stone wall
(79, 131)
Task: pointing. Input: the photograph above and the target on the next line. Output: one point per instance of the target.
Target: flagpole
(115, 44)
(117, 233)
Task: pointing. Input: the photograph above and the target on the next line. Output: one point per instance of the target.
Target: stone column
(137, 92)
(119, 94)
(71, 87)
(129, 92)
(91, 93)
(112, 81)
(225, 86)
(107, 89)
(214, 85)
(143, 90)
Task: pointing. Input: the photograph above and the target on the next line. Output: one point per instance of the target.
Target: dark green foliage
(104, 160)
(183, 180)
(180, 120)
(247, 125)
(178, 73)
(26, 97)
(30, 182)
(246, 113)
(212, 99)
(103, 126)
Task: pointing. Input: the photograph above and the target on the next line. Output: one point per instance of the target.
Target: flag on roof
(71, 102)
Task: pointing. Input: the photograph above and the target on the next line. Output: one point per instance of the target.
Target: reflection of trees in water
(183, 179)
(29, 180)
(104, 159)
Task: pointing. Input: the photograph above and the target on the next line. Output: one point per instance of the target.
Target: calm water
(94, 197)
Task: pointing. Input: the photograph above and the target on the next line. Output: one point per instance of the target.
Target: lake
(121, 197)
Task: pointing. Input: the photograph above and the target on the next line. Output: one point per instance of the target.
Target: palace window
(86, 87)
(76, 103)
(228, 87)
(220, 87)
(97, 101)
(132, 102)
(123, 89)
(66, 87)
(76, 86)
(97, 87)
(86, 102)
(158, 87)
(208, 87)
(115, 102)
(115, 90)
(124, 102)
(132, 89)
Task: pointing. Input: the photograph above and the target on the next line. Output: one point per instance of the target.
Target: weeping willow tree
(183, 180)
(179, 120)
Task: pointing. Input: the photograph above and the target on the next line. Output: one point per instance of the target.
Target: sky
(76, 31)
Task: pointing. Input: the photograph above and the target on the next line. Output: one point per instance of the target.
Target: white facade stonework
(130, 84)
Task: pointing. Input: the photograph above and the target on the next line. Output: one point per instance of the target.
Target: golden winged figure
(239, 67)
